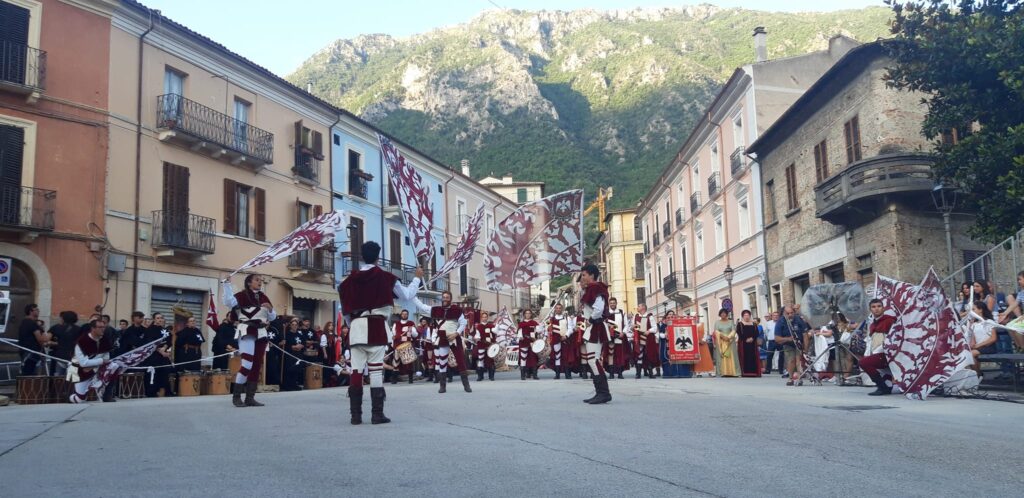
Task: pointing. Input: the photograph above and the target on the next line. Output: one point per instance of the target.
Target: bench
(1014, 359)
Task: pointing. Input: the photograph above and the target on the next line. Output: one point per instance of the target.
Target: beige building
(848, 185)
(702, 222)
(212, 158)
(622, 258)
(518, 192)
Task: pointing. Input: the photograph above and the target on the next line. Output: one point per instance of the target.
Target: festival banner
(212, 320)
(413, 197)
(539, 241)
(505, 327)
(313, 234)
(681, 334)
(467, 245)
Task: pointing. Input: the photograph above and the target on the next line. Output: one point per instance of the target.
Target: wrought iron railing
(27, 207)
(182, 230)
(307, 168)
(737, 161)
(177, 113)
(22, 65)
(675, 282)
(319, 261)
(358, 185)
(714, 184)
(695, 202)
(404, 272)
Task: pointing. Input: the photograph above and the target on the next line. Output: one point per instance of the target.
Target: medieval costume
(645, 344)
(725, 349)
(448, 322)
(595, 338)
(526, 333)
(749, 352)
(159, 361)
(222, 340)
(876, 365)
(188, 349)
(90, 353)
(255, 312)
(484, 337)
(403, 332)
(617, 358)
(560, 328)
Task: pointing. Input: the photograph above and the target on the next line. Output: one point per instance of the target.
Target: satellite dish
(822, 300)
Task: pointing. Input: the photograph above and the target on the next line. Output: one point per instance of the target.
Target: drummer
(526, 334)
(559, 329)
(617, 358)
(403, 332)
(293, 371)
(484, 337)
(426, 349)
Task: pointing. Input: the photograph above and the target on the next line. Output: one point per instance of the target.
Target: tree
(968, 58)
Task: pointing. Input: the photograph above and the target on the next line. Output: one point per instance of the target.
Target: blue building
(360, 189)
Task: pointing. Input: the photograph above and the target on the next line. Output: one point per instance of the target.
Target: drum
(217, 382)
(190, 383)
(538, 345)
(132, 385)
(544, 355)
(453, 362)
(493, 351)
(500, 357)
(406, 353)
(33, 390)
(314, 377)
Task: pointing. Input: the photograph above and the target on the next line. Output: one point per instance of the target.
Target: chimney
(761, 43)
(465, 167)
(309, 87)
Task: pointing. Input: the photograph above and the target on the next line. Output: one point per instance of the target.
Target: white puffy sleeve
(229, 296)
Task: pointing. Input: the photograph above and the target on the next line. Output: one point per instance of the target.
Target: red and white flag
(314, 233)
(467, 245)
(413, 197)
(927, 344)
(539, 241)
(211, 315)
(505, 327)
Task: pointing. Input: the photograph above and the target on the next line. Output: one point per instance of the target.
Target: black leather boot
(596, 392)
(603, 393)
(558, 374)
(250, 394)
(533, 371)
(355, 405)
(639, 371)
(568, 374)
(236, 395)
(377, 396)
(490, 373)
(522, 373)
(465, 382)
(444, 382)
(479, 374)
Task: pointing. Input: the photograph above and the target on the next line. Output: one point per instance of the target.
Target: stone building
(847, 185)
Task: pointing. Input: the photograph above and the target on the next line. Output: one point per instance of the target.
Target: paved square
(666, 437)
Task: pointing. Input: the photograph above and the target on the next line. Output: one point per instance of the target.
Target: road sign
(5, 272)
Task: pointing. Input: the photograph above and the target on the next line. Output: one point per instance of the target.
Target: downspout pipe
(138, 161)
(330, 180)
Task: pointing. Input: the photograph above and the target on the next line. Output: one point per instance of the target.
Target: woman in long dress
(705, 364)
(749, 353)
(726, 363)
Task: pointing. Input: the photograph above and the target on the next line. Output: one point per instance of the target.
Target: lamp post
(729, 273)
(944, 198)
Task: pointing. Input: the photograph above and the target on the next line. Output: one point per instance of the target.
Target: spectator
(329, 346)
(1001, 304)
(224, 342)
(110, 332)
(131, 338)
(147, 322)
(774, 350)
(748, 345)
(1016, 310)
(983, 335)
(294, 346)
(31, 336)
(188, 347)
(726, 363)
(64, 336)
(789, 334)
(345, 355)
(963, 303)
(983, 292)
(122, 324)
(160, 359)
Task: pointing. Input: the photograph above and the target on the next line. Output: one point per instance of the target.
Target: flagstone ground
(667, 437)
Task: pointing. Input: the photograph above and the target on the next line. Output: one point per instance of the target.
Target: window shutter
(298, 212)
(318, 144)
(260, 231)
(318, 210)
(230, 207)
(12, 147)
(14, 31)
(298, 135)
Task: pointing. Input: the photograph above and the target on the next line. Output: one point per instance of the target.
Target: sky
(280, 36)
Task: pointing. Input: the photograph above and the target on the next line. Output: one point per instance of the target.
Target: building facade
(703, 236)
(518, 192)
(212, 159)
(847, 185)
(53, 155)
(621, 255)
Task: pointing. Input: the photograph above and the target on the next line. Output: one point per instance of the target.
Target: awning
(305, 290)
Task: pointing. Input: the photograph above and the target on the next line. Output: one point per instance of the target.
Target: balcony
(404, 272)
(307, 169)
(856, 194)
(359, 183)
(183, 232)
(666, 229)
(676, 286)
(737, 161)
(679, 217)
(714, 185)
(213, 133)
(392, 212)
(695, 203)
(27, 209)
(472, 290)
(22, 69)
(315, 263)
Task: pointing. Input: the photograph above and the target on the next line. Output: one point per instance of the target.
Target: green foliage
(969, 59)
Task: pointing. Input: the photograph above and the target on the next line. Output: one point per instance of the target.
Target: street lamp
(944, 197)
(729, 273)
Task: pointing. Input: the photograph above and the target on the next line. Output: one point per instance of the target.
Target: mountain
(582, 98)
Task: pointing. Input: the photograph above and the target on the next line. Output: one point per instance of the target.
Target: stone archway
(34, 270)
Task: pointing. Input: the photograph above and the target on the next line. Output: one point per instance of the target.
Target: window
(12, 151)
(303, 213)
(14, 30)
(955, 135)
(638, 232)
(356, 239)
(750, 296)
(699, 246)
(658, 265)
(489, 227)
(833, 274)
(715, 164)
(638, 266)
(777, 297)
(174, 82)
(695, 181)
(737, 132)
(244, 210)
(743, 215)
(357, 185)
(851, 130)
(641, 296)
(671, 266)
(769, 202)
(309, 151)
(337, 139)
(800, 285)
(463, 281)
(461, 218)
(821, 161)
(175, 205)
(791, 198)
(395, 247)
(521, 195)
(240, 124)
(719, 235)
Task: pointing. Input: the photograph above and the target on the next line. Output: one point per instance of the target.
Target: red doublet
(249, 304)
(598, 332)
(92, 348)
(363, 291)
(527, 329)
(441, 315)
(882, 324)
(647, 350)
(487, 337)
